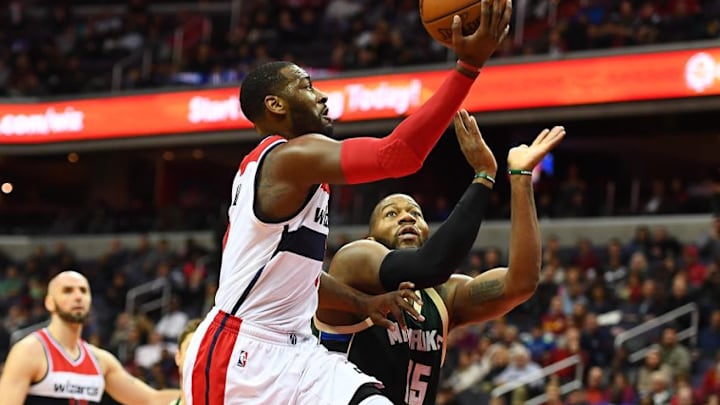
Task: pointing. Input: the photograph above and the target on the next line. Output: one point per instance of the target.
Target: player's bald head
(67, 277)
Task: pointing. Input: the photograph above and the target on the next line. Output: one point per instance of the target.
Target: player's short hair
(190, 327)
(264, 80)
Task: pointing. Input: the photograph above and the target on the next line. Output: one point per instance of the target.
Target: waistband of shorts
(240, 326)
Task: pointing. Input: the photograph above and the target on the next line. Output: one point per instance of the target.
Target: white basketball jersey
(270, 271)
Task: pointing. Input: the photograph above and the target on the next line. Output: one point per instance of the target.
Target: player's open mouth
(408, 232)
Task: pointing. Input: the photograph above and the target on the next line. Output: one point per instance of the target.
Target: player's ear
(275, 104)
(49, 304)
(177, 358)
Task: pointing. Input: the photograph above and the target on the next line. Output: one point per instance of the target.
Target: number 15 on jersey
(415, 389)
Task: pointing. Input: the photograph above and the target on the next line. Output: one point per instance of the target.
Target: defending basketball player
(256, 345)
(408, 363)
(56, 366)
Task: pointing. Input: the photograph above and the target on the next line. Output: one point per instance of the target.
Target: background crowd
(69, 47)
(587, 296)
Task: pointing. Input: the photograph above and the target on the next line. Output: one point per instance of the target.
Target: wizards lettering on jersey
(75, 389)
(321, 216)
(417, 339)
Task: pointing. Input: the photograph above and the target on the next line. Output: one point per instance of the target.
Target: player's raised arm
(497, 291)
(307, 160)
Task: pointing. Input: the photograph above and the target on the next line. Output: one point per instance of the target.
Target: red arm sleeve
(403, 152)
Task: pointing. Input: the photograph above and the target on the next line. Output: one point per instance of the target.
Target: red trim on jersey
(325, 187)
(254, 155)
(225, 238)
(60, 361)
(209, 372)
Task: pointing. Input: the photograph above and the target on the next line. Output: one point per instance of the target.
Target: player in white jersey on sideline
(256, 345)
(56, 366)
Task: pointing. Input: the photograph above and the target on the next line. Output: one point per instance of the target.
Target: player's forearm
(164, 397)
(333, 294)
(525, 246)
(403, 151)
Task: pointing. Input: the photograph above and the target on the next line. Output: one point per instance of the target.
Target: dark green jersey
(407, 362)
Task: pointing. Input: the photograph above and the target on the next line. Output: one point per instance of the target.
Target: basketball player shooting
(256, 345)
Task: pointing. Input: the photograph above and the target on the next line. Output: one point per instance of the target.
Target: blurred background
(627, 311)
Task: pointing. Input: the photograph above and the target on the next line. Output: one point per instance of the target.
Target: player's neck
(67, 334)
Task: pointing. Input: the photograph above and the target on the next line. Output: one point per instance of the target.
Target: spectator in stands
(709, 339)
(673, 354)
(620, 391)
(696, 270)
(710, 385)
(660, 389)
(10, 287)
(586, 258)
(552, 392)
(540, 344)
(566, 346)
(653, 363)
(573, 290)
(154, 351)
(173, 322)
(614, 272)
(664, 245)
(597, 342)
(595, 387)
(710, 242)
(465, 376)
(601, 299)
(641, 241)
(521, 367)
(555, 321)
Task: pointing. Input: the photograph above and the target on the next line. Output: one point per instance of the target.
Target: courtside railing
(650, 326)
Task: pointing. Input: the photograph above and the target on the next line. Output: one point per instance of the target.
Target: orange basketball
(437, 16)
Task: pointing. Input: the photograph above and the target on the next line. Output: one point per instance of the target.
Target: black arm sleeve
(444, 251)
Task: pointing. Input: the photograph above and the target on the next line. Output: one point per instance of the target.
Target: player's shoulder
(361, 248)
(358, 263)
(29, 346)
(306, 140)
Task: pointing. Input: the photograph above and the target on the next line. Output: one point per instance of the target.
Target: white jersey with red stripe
(67, 380)
(270, 270)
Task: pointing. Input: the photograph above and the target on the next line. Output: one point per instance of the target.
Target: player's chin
(408, 244)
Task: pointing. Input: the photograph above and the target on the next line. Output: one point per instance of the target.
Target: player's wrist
(467, 69)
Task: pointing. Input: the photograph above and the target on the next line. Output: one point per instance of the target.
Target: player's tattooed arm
(486, 290)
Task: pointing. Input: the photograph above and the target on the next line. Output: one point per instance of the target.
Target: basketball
(437, 16)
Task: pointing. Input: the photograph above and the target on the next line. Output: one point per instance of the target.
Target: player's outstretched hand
(525, 157)
(379, 306)
(472, 144)
(476, 48)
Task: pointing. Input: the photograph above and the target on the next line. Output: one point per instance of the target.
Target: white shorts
(230, 361)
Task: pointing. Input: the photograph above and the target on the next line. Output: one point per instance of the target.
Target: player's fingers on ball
(485, 13)
(498, 17)
(456, 28)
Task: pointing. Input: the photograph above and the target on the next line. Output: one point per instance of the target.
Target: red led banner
(609, 79)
